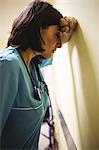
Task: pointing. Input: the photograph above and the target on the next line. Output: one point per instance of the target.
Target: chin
(47, 56)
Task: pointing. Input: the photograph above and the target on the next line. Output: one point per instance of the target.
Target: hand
(68, 24)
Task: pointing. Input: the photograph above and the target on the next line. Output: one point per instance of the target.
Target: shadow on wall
(88, 129)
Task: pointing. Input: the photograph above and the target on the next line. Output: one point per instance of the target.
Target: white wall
(75, 73)
(9, 9)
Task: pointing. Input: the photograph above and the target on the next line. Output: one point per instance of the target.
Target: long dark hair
(25, 31)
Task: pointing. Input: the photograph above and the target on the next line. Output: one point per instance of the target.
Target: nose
(59, 43)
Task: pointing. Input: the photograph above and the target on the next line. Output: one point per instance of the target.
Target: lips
(54, 50)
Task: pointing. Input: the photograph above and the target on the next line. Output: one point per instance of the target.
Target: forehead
(50, 30)
(54, 27)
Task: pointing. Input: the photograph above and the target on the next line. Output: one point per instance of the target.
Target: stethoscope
(36, 90)
(53, 144)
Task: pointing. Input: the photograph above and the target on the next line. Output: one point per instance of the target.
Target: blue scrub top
(21, 114)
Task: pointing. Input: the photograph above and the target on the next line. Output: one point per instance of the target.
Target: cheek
(51, 41)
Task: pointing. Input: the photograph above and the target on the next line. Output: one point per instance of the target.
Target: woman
(36, 34)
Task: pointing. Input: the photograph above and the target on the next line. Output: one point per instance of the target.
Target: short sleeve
(8, 88)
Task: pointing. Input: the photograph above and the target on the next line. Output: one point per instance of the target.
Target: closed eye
(58, 35)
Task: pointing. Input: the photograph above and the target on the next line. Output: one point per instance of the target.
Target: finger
(63, 22)
(65, 29)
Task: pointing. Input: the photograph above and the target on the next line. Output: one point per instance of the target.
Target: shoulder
(9, 59)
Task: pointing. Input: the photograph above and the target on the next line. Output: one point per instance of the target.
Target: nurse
(36, 34)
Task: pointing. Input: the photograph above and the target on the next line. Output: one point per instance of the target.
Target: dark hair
(26, 27)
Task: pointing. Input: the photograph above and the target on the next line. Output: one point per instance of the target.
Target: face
(52, 40)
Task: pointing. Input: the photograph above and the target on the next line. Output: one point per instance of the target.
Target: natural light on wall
(75, 74)
(64, 84)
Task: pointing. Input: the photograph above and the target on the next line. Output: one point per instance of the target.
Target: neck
(28, 55)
